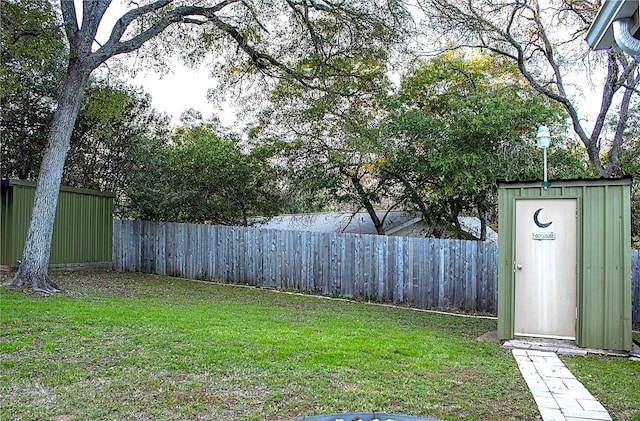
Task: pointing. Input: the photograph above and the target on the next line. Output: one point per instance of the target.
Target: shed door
(545, 268)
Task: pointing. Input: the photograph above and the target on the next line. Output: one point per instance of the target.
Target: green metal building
(82, 232)
(565, 262)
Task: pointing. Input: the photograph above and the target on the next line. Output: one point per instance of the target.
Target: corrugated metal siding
(83, 228)
(506, 244)
(604, 258)
(16, 208)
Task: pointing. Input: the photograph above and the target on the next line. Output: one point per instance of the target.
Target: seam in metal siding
(83, 226)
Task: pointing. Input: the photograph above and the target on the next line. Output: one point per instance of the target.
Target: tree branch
(623, 116)
(115, 46)
(521, 59)
(70, 20)
(183, 14)
(92, 13)
(608, 90)
(123, 23)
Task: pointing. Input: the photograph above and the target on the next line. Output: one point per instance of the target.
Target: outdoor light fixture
(543, 139)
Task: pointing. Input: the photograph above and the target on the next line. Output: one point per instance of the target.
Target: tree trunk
(32, 271)
(368, 206)
(482, 215)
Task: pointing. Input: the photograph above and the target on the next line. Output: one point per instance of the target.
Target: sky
(180, 90)
(173, 93)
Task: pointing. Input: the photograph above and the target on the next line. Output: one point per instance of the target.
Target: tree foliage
(32, 63)
(115, 129)
(32, 46)
(544, 39)
(326, 139)
(203, 176)
(437, 145)
(459, 124)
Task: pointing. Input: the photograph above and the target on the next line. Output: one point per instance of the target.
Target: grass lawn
(614, 381)
(131, 346)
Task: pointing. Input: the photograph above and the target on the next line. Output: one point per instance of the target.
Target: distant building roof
(344, 222)
(396, 222)
(471, 224)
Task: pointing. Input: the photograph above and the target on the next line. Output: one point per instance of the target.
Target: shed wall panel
(83, 227)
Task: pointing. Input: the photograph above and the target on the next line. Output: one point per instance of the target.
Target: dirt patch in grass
(490, 337)
(110, 283)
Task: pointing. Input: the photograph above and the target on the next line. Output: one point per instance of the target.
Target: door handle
(519, 267)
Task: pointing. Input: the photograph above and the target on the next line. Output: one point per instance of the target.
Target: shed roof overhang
(616, 24)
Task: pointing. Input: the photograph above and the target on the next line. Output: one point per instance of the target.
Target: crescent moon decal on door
(537, 221)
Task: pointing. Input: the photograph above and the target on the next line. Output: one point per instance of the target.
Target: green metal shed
(565, 262)
(82, 231)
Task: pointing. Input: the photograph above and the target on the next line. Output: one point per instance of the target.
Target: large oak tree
(297, 39)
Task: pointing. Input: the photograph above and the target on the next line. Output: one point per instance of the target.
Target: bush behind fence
(419, 272)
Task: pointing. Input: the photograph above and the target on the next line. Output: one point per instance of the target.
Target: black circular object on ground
(363, 416)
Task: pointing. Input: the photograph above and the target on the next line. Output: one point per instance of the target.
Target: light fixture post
(543, 140)
(545, 165)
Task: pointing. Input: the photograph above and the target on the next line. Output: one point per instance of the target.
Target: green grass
(615, 382)
(131, 346)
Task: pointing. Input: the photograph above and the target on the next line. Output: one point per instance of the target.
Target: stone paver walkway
(559, 395)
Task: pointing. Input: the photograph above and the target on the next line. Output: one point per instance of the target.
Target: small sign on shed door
(545, 268)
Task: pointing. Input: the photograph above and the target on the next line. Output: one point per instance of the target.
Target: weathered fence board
(635, 287)
(419, 272)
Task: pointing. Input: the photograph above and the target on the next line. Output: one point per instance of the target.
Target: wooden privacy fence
(419, 272)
